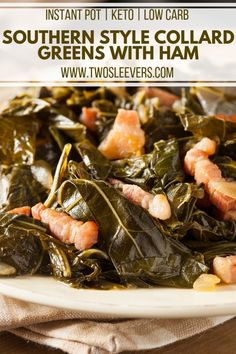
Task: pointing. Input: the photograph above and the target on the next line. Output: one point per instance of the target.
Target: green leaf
(105, 118)
(228, 147)
(25, 246)
(25, 106)
(47, 149)
(212, 249)
(72, 203)
(207, 228)
(153, 171)
(183, 198)
(227, 166)
(19, 247)
(59, 175)
(161, 126)
(77, 170)
(134, 170)
(97, 164)
(17, 139)
(166, 163)
(208, 126)
(135, 242)
(24, 185)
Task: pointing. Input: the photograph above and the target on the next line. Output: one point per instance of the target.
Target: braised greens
(24, 184)
(136, 243)
(42, 135)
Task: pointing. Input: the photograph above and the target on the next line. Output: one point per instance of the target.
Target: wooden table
(219, 340)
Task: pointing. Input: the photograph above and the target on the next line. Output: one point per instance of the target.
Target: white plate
(158, 302)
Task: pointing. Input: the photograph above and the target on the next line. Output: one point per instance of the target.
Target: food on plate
(166, 98)
(24, 210)
(125, 139)
(65, 228)
(88, 117)
(143, 193)
(157, 205)
(222, 194)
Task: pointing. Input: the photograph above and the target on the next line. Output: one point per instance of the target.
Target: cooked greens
(137, 245)
(24, 184)
(209, 126)
(18, 139)
(44, 135)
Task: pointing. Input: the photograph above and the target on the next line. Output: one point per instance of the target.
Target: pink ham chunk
(166, 99)
(226, 117)
(67, 229)
(197, 164)
(157, 205)
(125, 139)
(25, 210)
(88, 117)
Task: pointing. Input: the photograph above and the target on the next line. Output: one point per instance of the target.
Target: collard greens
(44, 136)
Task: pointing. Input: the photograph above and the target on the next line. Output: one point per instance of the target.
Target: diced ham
(197, 164)
(88, 117)
(166, 98)
(25, 210)
(207, 145)
(205, 170)
(67, 229)
(200, 151)
(221, 201)
(126, 138)
(36, 210)
(191, 158)
(226, 117)
(86, 235)
(225, 268)
(229, 215)
(157, 205)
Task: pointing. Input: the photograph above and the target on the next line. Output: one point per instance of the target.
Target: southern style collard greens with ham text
(143, 192)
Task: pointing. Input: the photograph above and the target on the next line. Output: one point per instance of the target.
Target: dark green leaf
(81, 97)
(227, 166)
(97, 164)
(134, 170)
(182, 198)
(205, 227)
(135, 242)
(107, 112)
(24, 185)
(165, 162)
(212, 249)
(153, 171)
(25, 106)
(163, 125)
(208, 126)
(19, 247)
(17, 139)
(228, 147)
(72, 202)
(47, 149)
(60, 173)
(77, 170)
